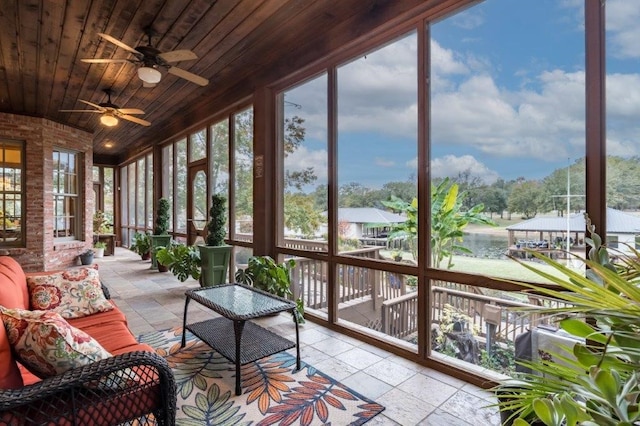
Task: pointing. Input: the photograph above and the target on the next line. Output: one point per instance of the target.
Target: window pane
(377, 146)
(132, 194)
(623, 123)
(11, 193)
(507, 131)
(310, 280)
(167, 179)
(507, 134)
(219, 173)
(66, 202)
(181, 186)
(149, 185)
(198, 145)
(140, 193)
(243, 144)
(108, 194)
(304, 141)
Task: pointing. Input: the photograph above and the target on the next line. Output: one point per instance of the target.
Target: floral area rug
(273, 392)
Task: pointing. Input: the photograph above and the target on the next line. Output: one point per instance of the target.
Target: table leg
(238, 326)
(184, 322)
(295, 318)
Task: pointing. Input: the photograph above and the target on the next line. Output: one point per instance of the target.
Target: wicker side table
(236, 338)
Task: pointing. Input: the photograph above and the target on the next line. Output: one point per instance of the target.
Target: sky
(507, 96)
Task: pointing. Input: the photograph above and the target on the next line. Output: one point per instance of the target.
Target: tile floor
(411, 393)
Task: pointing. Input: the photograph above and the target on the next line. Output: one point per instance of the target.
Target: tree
(526, 198)
(355, 194)
(494, 200)
(554, 189)
(406, 191)
(300, 214)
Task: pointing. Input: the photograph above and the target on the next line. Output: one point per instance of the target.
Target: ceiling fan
(151, 60)
(111, 112)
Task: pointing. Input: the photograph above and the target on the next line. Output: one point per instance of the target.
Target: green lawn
(501, 268)
(498, 268)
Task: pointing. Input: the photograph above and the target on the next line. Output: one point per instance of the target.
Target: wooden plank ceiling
(240, 44)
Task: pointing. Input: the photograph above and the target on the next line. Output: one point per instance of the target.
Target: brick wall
(41, 137)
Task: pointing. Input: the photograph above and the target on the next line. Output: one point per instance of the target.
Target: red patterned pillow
(47, 344)
(73, 293)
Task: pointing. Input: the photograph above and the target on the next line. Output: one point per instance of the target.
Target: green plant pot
(215, 264)
(158, 241)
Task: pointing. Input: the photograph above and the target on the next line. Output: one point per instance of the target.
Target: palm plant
(448, 220)
(598, 381)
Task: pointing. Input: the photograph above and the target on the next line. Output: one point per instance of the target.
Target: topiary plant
(216, 227)
(162, 219)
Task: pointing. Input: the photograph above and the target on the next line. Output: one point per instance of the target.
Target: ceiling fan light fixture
(149, 75)
(108, 120)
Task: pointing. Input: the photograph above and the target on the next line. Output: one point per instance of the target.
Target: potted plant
(160, 236)
(266, 274)
(598, 381)
(100, 223)
(86, 257)
(142, 245)
(215, 255)
(182, 260)
(98, 248)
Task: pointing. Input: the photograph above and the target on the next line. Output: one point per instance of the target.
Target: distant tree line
(522, 196)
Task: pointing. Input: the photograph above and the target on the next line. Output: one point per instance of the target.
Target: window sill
(12, 251)
(68, 245)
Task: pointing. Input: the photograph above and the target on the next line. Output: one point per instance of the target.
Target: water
(486, 245)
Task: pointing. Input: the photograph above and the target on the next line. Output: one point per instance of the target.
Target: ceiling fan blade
(135, 119)
(119, 43)
(188, 76)
(130, 111)
(98, 107)
(80, 110)
(178, 55)
(104, 61)
(145, 84)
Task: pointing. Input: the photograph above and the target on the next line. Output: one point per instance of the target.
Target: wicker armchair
(135, 385)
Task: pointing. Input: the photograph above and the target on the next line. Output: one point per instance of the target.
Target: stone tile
(438, 375)
(333, 347)
(358, 358)
(310, 354)
(430, 390)
(382, 420)
(471, 409)
(480, 392)
(389, 372)
(441, 418)
(404, 408)
(374, 350)
(311, 336)
(335, 368)
(367, 385)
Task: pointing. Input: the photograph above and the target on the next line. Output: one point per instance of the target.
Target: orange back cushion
(13, 294)
(13, 284)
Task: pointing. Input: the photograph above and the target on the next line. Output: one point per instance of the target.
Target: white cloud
(303, 158)
(451, 166)
(542, 119)
(623, 31)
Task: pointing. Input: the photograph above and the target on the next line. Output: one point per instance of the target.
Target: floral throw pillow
(73, 293)
(47, 344)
